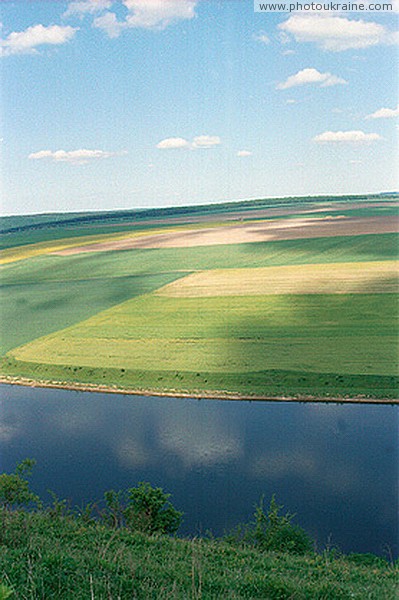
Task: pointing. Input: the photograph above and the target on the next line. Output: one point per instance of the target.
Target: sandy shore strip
(196, 394)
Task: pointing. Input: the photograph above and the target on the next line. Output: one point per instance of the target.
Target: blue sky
(139, 103)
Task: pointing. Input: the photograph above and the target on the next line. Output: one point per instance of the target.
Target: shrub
(276, 532)
(145, 509)
(272, 531)
(14, 488)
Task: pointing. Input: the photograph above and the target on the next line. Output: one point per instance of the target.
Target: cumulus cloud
(384, 113)
(26, 42)
(173, 142)
(200, 141)
(347, 136)
(85, 7)
(310, 76)
(206, 141)
(244, 153)
(81, 156)
(158, 13)
(147, 14)
(336, 33)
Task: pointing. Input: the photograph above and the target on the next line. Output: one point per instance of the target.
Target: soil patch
(247, 232)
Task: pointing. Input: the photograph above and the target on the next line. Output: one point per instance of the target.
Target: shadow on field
(338, 344)
(31, 311)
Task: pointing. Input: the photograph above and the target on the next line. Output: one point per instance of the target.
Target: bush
(272, 531)
(145, 509)
(14, 488)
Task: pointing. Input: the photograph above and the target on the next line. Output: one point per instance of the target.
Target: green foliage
(114, 515)
(144, 508)
(150, 511)
(58, 508)
(276, 532)
(14, 488)
(272, 531)
(5, 592)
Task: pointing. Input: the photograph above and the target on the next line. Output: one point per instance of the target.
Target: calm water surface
(335, 466)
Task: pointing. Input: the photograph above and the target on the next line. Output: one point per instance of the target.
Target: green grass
(29, 311)
(267, 383)
(338, 343)
(63, 558)
(150, 261)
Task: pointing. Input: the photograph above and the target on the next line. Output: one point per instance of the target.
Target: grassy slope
(242, 343)
(45, 557)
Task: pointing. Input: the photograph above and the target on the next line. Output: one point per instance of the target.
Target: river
(334, 465)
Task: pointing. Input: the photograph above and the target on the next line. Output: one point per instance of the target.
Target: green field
(98, 318)
(153, 260)
(31, 310)
(233, 344)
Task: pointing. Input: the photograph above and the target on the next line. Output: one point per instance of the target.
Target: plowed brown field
(284, 229)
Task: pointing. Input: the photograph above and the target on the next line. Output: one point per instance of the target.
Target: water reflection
(335, 466)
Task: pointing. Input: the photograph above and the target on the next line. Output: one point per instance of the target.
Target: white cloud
(336, 33)
(200, 141)
(206, 141)
(347, 136)
(310, 76)
(147, 14)
(244, 153)
(384, 113)
(73, 156)
(87, 7)
(174, 142)
(158, 14)
(110, 24)
(26, 42)
(263, 38)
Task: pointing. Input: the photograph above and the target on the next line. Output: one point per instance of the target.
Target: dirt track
(262, 231)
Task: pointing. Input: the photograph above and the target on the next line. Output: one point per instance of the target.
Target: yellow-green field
(337, 278)
(311, 316)
(244, 333)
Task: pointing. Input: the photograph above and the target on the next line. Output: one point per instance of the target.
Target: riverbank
(49, 556)
(216, 395)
